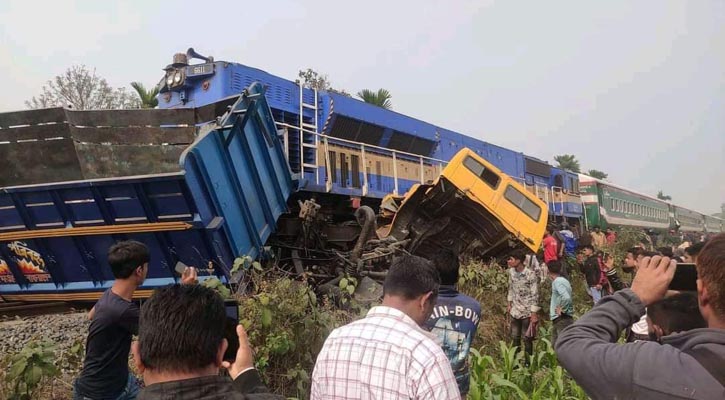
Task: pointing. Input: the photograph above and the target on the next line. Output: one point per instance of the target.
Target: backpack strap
(711, 362)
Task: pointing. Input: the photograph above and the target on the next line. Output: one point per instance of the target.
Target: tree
(597, 174)
(312, 79)
(381, 98)
(147, 97)
(568, 162)
(81, 89)
(663, 196)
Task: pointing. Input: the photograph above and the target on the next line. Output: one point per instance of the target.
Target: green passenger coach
(608, 205)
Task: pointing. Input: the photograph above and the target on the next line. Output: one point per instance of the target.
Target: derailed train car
(203, 186)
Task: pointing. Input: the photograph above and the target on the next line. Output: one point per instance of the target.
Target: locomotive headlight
(169, 80)
(177, 77)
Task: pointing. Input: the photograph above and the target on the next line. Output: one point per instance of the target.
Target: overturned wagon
(200, 186)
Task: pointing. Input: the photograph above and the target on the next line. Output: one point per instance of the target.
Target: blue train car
(207, 193)
(340, 145)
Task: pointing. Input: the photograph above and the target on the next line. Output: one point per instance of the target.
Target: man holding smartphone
(181, 347)
(686, 365)
(114, 319)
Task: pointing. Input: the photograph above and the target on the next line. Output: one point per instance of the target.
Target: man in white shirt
(387, 355)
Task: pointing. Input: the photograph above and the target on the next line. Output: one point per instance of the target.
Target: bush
(287, 327)
(28, 369)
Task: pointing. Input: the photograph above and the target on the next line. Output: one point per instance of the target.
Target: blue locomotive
(342, 146)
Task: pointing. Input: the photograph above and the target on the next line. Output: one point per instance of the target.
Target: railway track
(23, 309)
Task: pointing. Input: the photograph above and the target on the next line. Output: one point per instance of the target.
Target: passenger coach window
(482, 172)
(522, 203)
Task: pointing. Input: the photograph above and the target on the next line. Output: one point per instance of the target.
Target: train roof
(587, 178)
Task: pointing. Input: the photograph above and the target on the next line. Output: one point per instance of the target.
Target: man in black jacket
(592, 273)
(686, 365)
(181, 346)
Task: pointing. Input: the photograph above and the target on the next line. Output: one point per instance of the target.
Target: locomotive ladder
(308, 136)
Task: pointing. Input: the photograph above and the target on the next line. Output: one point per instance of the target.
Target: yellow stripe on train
(83, 296)
(95, 230)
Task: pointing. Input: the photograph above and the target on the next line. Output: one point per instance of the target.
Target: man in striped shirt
(387, 355)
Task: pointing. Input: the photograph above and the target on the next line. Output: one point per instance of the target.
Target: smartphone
(685, 278)
(231, 307)
(180, 267)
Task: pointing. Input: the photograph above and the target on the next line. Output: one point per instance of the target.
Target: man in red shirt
(551, 252)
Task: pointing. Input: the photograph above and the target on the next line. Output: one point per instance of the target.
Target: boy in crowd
(561, 309)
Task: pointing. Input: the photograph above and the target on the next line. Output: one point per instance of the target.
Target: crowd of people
(416, 343)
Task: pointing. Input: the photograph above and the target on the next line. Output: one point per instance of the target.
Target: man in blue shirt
(454, 319)
(561, 309)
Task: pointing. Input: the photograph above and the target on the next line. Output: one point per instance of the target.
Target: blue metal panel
(248, 180)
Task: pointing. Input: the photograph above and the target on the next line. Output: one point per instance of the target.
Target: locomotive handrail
(320, 137)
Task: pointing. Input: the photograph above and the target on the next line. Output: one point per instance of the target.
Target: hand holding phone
(685, 278)
(239, 355)
(653, 278)
(188, 274)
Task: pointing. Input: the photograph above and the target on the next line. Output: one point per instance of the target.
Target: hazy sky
(633, 88)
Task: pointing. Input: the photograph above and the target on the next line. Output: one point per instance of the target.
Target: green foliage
(509, 378)
(594, 173)
(568, 162)
(487, 283)
(348, 284)
(29, 368)
(381, 98)
(146, 97)
(287, 326)
(216, 284)
(477, 279)
(244, 263)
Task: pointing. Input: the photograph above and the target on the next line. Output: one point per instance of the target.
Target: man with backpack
(688, 365)
(569, 242)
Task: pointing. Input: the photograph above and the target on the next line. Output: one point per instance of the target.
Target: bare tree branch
(81, 89)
